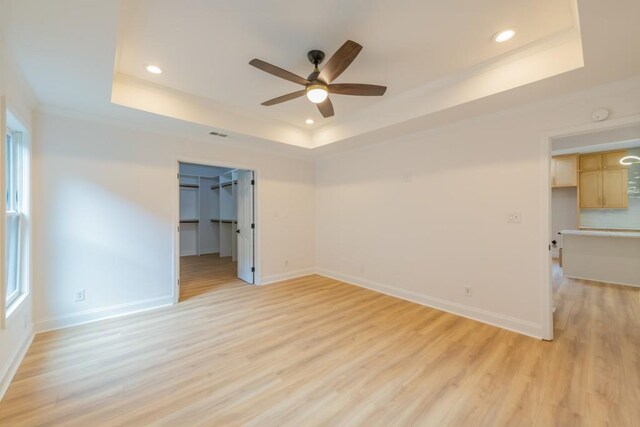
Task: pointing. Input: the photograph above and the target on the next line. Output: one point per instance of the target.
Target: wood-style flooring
(202, 274)
(315, 351)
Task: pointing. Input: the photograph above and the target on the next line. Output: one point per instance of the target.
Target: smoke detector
(600, 114)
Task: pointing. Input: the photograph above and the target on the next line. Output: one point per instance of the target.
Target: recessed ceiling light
(309, 121)
(154, 69)
(503, 36)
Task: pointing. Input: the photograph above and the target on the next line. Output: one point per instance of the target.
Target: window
(14, 214)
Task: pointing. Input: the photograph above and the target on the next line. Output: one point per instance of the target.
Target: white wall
(16, 330)
(105, 200)
(424, 216)
(564, 214)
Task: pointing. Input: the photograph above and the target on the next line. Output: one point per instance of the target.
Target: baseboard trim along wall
(10, 369)
(274, 278)
(102, 313)
(505, 322)
(607, 282)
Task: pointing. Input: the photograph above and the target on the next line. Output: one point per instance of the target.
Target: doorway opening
(216, 231)
(594, 215)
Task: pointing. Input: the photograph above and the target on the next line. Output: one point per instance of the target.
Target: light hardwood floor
(314, 351)
(203, 274)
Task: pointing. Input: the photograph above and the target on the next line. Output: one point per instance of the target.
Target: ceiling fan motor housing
(315, 56)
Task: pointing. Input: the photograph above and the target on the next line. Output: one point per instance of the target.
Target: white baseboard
(102, 313)
(207, 251)
(188, 253)
(604, 282)
(10, 369)
(495, 319)
(266, 280)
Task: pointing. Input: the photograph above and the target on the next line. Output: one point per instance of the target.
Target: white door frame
(176, 215)
(545, 229)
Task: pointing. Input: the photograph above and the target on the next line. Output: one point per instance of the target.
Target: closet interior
(208, 211)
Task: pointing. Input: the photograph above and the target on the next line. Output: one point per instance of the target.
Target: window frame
(13, 209)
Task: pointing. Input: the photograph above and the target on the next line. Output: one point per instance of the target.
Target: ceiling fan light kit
(317, 93)
(318, 86)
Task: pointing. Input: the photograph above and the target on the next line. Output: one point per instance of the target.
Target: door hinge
(253, 226)
(549, 247)
(253, 269)
(178, 229)
(253, 182)
(178, 175)
(178, 282)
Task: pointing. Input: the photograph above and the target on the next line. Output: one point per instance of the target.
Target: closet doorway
(216, 233)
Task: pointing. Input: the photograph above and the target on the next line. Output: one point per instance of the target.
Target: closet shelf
(226, 184)
(189, 221)
(224, 221)
(189, 186)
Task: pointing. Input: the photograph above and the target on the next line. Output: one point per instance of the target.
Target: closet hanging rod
(189, 221)
(189, 186)
(226, 184)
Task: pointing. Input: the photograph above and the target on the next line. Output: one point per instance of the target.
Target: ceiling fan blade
(278, 72)
(284, 98)
(357, 89)
(326, 108)
(340, 61)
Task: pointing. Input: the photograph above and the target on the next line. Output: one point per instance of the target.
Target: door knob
(238, 231)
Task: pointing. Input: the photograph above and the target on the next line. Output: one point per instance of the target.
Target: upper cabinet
(614, 188)
(603, 181)
(611, 160)
(590, 163)
(591, 189)
(564, 171)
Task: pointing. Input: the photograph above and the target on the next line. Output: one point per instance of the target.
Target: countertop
(632, 234)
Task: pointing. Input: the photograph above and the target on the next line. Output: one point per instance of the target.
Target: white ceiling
(436, 57)
(204, 46)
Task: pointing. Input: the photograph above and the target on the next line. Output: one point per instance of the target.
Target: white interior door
(246, 227)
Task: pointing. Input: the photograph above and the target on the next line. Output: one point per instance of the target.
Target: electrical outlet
(467, 291)
(514, 217)
(78, 295)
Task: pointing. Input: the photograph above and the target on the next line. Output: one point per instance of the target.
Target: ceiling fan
(318, 85)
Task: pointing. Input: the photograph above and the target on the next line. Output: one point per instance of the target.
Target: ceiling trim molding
(135, 93)
(553, 55)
